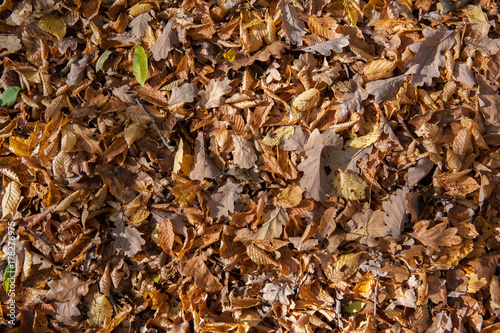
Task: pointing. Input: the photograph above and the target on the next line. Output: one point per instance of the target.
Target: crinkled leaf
(326, 48)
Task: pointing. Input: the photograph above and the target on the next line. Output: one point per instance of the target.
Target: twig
(375, 305)
(153, 120)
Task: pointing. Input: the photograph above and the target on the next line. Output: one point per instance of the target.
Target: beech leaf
(203, 166)
(140, 64)
(9, 96)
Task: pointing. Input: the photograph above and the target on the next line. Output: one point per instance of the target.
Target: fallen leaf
(396, 212)
(294, 27)
(166, 43)
(437, 236)
(140, 64)
(326, 48)
(203, 166)
(212, 96)
(223, 202)
(428, 56)
(244, 155)
(127, 238)
(186, 93)
(277, 292)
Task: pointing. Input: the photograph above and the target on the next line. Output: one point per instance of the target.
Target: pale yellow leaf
(274, 138)
(307, 100)
(378, 69)
(11, 199)
(19, 145)
(365, 140)
(63, 205)
(54, 25)
(289, 197)
(100, 310)
(350, 185)
(139, 8)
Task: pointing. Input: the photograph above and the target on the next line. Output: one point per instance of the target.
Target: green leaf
(9, 273)
(9, 96)
(140, 64)
(102, 59)
(354, 307)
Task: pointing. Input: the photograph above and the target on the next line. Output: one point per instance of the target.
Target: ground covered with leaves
(251, 166)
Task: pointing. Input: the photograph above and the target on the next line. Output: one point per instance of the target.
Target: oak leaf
(167, 41)
(10, 43)
(294, 27)
(314, 180)
(212, 96)
(76, 71)
(326, 48)
(127, 238)
(67, 292)
(396, 212)
(437, 236)
(277, 292)
(428, 56)
(222, 203)
(140, 24)
(196, 268)
(272, 228)
(183, 94)
(244, 155)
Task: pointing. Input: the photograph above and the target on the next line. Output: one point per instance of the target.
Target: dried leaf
(437, 236)
(244, 155)
(203, 279)
(223, 202)
(203, 166)
(140, 24)
(167, 41)
(429, 56)
(212, 96)
(396, 212)
(183, 94)
(294, 27)
(385, 89)
(326, 48)
(54, 25)
(277, 292)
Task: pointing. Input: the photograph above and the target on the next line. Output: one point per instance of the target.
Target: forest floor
(250, 166)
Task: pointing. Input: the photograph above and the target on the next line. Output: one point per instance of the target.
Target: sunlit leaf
(9, 96)
(140, 64)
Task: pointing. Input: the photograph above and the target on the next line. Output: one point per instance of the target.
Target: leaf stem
(153, 120)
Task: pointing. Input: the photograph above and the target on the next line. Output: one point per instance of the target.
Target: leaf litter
(270, 166)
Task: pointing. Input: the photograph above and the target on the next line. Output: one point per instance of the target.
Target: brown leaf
(223, 202)
(196, 268)
(203, 166)
(437, 236)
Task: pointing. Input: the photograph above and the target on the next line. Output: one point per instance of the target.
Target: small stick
(153, 120)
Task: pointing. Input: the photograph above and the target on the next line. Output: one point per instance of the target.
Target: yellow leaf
(11, 199)
(54, 25)
(289, 197)
(307, 100)
(364, 287)
(19, 145)
(100, 310)
(139, 8)
(182, 160)
(365, 140)
(352, 12)
(350, 185)
(230, 55)
(378, 69)
(474, 13)
(274, 138)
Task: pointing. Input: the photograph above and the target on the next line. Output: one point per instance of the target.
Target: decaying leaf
(203, 166)
(326, 48)
(437, 236)
(223, 202)
(429, 56)
(127, 239)
(67, 293)
(212, 96)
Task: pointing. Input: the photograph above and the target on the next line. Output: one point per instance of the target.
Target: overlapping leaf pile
(335, 165)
